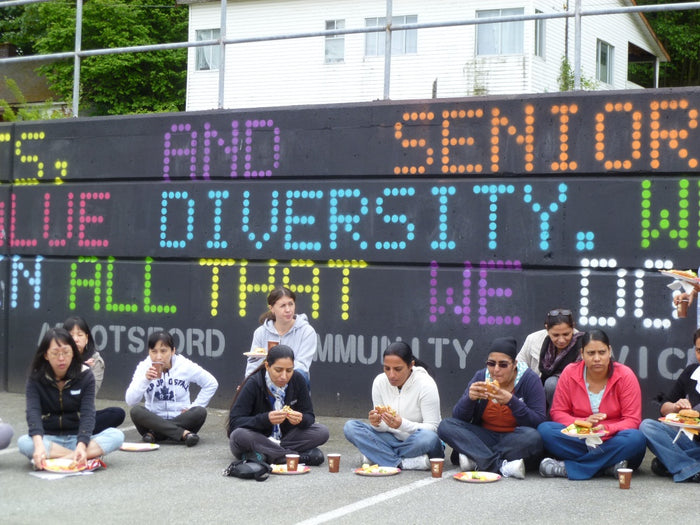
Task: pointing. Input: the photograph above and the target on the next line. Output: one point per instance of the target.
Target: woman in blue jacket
(495, 429)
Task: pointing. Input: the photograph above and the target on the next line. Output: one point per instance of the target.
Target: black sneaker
(191, 439)
(312, 458)
(659, 468)
(148, 437)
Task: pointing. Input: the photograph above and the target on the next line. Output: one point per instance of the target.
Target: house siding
(445, 64)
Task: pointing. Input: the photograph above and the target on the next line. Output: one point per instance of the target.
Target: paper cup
(270, 344)
(158, 365)
(292, 462)
(625, 477)
(436, 465)
(333, 462)
(682, 308)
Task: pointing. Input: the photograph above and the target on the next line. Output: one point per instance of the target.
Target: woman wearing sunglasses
(548, 351)
(606, 395)
(494, 429)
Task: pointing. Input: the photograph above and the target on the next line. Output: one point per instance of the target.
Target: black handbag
(248, 469)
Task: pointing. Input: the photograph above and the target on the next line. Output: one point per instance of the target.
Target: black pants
(110, 417)
(147, 421)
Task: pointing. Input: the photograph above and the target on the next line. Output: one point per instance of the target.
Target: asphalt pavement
(175, 484)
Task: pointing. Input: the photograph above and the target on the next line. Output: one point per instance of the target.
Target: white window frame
(604, 61)
(402, 42)
(540, 36)
(207, 58)
(507, 37)
(334, 44)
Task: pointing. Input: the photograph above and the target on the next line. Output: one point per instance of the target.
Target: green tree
(678, 32)
(120, 84)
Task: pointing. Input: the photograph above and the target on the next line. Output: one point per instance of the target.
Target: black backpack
(248, 469)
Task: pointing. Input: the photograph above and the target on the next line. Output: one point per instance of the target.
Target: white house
(508, 58)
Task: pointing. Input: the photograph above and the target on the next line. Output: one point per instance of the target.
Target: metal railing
(577, 14)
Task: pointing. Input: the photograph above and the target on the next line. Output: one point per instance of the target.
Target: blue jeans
(383, 448)
(583, 462)
(682, 458)
(488, 448)
(108, 440)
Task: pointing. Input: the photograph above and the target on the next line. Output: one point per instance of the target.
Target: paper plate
(282, 469)
(678, 424)
(477, 477)
(68, 466)
(575, 434)
(255, 354)
(377, 471)
(692, 280)
(139, 447)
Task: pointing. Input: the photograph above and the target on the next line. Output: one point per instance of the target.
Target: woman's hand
(39, 455)
(391, 421)
(374, 417)
(80, 455)
(682, 403)
(294, 417)
(597, 421)
(478, 390)
(152, 373)
(502, 396)
(90, 362)
(277, 416)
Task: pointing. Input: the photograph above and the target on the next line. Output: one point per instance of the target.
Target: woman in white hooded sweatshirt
(280, 324)
(402, 429)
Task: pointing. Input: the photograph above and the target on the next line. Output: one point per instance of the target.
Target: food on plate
(688, 274)
(259, 350)
(687, 416)
(580, 426)
(385, 409)
(63, 465)
(376, 469)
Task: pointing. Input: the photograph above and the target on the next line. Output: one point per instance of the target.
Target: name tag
(75, 392)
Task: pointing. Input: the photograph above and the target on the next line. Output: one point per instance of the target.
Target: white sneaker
(466, 463)
(416, 463)
(513, 469)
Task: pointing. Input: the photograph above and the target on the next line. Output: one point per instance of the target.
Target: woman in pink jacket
(606, 394)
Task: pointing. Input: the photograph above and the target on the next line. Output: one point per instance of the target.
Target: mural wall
(445, 224)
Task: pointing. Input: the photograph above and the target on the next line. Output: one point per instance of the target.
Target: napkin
(593, 441)
(684, 285)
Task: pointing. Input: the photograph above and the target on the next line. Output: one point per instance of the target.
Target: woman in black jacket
(272, 414)
(61, 406)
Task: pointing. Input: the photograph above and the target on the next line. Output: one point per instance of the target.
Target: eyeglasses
(501, 364)
(64, 352)
(554, 313)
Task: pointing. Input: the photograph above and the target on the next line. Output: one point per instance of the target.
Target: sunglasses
(501, 364)
(554, 313)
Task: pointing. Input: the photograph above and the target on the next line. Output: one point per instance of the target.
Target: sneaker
(365, 460)
(191, 439)
(551, 468)
(255, 456)
(513, 469)
(466, 463)
(312, 458)
(695, 478)
(416, 463)
(659, 468)
(612, 471)
(148, 437)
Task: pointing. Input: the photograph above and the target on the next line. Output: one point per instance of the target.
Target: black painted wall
(446, 224)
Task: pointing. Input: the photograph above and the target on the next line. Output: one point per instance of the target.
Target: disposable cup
(333, 462)
(292, 462)
(270, 344)
(158, 365)
(436, 465)
(625, 477)
(682, 308)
